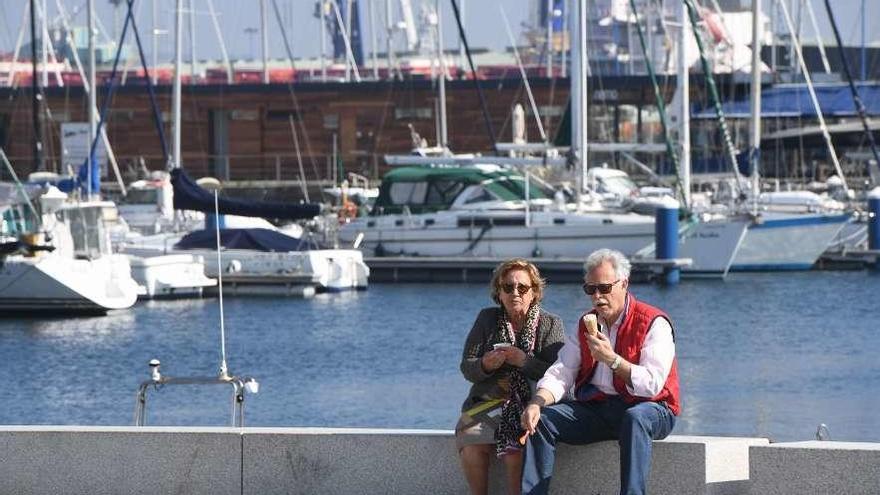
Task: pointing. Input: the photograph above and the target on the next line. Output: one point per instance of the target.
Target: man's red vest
(630, 339)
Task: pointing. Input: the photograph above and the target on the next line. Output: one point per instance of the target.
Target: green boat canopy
(429, 189)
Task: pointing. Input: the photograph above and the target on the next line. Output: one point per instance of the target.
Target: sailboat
(780, 240)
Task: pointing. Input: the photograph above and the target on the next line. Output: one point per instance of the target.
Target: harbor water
(771, 355)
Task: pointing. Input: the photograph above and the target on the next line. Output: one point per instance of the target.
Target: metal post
(389, 41)
(579, 91)
(373, 41)
(755, 131)
(155, 51)
(93, 91)
(175, 96)
(864, 62)
(323, 41)
(192, 42)
(684, 111)
(44, 43)
(36, 94)
(441, 81)
(264, 35)
(549, 38)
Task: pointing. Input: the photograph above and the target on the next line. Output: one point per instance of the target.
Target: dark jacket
(549, 338)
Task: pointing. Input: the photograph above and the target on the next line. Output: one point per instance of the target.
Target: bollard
(666, 239)
(874, 223)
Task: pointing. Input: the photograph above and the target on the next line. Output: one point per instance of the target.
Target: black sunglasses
(591, 289)
(520, 288)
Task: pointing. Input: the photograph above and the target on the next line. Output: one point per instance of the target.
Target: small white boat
(171, 275)
(64, 262)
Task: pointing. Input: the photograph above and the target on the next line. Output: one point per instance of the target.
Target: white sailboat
(783, 240)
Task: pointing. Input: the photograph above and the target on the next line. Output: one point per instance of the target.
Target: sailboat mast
(441, 79)
(755, 100)
(36, 94)
(579, 65)
(684, 98)
(93, 101)
(175, 96)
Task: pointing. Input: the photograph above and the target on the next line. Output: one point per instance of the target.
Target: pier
(194, 460)
(479, 269)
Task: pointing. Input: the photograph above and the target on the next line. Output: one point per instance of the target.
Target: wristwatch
(616, 363)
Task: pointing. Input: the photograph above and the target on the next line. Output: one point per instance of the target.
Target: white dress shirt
(648, 375)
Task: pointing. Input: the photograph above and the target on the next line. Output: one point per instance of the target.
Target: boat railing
(239, 384)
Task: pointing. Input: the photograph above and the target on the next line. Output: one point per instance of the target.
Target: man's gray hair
(618, 261)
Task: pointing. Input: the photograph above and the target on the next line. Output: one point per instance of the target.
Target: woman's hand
(492, 360)
(514, 356)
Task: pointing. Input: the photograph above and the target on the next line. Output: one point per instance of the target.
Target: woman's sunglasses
(591, 289)
(520, 288)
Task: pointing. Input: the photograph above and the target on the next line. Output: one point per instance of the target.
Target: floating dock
(479, 269)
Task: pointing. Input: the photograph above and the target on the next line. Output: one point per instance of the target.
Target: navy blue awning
(793, 100)
(190, 196)
(256, 239)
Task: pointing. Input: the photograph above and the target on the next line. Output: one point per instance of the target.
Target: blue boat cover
(256, 239)
(793, 100)
(190, 196)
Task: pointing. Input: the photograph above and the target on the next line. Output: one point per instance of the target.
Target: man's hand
(600, 348)
(530, 416)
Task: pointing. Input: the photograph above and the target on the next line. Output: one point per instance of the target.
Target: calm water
(760, 355)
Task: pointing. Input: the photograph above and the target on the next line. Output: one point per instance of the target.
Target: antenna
(240, 384)
(224, 371)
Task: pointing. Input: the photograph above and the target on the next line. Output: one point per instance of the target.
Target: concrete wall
(815, 467)
(112, 460)
(329, 461)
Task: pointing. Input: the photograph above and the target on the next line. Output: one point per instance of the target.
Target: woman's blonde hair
(504, 268)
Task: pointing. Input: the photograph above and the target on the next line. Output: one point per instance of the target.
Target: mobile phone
(500, 345)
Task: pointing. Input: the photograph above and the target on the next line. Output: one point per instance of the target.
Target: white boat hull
(711, 245)
(787, 241)
(173, 275)
(548, 235)
(55, 283)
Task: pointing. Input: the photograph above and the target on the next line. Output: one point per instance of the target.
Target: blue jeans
(634, 426)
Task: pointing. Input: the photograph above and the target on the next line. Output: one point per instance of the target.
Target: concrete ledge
(328, 461)
(815, 467)
(99, 460)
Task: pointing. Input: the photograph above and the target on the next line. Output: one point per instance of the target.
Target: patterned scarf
(509, 427)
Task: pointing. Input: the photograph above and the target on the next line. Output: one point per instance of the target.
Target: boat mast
(264, 41)
(579, 71)
(36, 94)
(755, 100)
(175, 96)
(192, 42)
(796, 43)
(93, 102)
(684, 98)
(441, 79)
